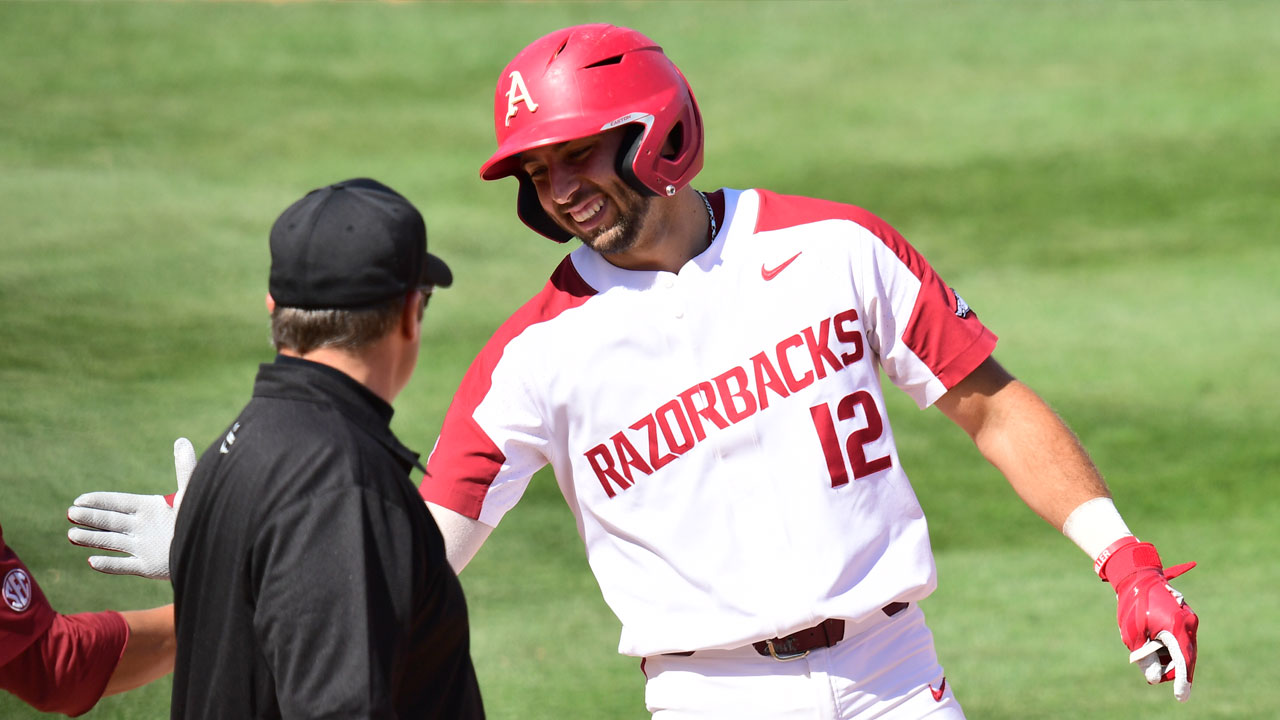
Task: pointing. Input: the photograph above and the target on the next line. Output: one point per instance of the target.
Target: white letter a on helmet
(518, 93)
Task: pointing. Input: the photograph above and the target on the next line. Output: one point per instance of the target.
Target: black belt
(823, 635)
(799, 643)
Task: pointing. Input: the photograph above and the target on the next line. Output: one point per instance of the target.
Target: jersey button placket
(677, 303)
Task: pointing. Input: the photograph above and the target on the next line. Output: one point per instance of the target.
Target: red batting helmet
(583, 80)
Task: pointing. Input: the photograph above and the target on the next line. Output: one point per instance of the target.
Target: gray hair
(305, 330)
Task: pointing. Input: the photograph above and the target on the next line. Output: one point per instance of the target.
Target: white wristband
(1094, 525)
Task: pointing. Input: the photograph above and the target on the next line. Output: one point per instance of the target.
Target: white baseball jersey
(720, 432)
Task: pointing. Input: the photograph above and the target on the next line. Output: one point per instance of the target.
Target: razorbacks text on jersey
(720, 433)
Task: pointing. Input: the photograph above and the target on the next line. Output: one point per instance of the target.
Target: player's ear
(271, 304)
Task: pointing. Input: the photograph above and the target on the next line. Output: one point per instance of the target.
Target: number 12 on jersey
(846, 409)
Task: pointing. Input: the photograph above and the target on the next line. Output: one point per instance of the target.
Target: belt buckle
(784, 657)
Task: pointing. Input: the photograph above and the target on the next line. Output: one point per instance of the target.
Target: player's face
(580, 189)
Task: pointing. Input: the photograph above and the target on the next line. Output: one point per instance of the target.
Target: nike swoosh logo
(937, 694)
(771, 274)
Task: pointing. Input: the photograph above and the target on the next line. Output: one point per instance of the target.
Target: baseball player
(65, 663)
(702, 374)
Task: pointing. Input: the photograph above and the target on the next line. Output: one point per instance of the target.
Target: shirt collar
(300, 379)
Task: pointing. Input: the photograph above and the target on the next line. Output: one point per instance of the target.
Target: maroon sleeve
(67, 668)
(24, 612)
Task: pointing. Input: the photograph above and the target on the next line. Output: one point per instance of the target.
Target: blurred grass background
(1097, 179)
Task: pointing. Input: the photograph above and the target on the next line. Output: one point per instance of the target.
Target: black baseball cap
(350, 245)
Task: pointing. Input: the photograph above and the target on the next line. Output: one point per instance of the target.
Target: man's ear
(271, 304)
(411, 316)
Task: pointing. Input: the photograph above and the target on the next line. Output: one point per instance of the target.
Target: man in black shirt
(309, 579)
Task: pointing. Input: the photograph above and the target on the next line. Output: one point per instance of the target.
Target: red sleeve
(67, 668)
(465, 460)
(942, 331)
(24, 612)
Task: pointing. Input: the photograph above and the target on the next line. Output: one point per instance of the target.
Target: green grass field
(1097, 179)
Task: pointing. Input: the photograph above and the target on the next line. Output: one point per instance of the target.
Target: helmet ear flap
(632, 139)
(657, 155)
(529, 208)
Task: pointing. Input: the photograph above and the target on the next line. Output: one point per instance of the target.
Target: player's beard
(631, 211)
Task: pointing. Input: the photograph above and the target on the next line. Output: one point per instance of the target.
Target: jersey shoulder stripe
(951, 354)
(470, 453)
(778, 212)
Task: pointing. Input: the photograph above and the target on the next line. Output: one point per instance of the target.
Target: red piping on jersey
(479, 466)
(950, 357)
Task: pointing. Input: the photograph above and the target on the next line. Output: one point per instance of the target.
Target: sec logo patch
(17, 589)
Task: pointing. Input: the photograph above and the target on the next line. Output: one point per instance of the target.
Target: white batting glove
(141, 526)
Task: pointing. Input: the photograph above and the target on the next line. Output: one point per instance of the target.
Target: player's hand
(1156, 624)
(141, 526)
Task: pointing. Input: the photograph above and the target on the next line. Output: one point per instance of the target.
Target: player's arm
(83, 657)
(1046, 465)
(1024, 439)
(462, 535)
(149, 652)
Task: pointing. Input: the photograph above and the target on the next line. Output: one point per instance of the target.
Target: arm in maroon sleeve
(66, 663)
(66, 668)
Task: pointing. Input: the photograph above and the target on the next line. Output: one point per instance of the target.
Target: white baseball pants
(885, 668)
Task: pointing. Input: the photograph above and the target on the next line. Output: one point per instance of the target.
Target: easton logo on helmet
(518, 92)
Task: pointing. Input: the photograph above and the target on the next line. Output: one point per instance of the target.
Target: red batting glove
(1156, 624)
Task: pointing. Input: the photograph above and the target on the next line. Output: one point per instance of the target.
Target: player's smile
(590, 214)
(581, 216)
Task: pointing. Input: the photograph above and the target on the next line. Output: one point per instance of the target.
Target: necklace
(711, 215)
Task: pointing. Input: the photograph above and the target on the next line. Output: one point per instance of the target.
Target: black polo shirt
(309, 579)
